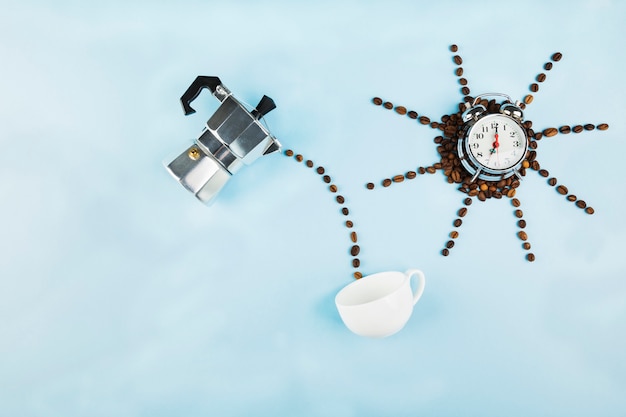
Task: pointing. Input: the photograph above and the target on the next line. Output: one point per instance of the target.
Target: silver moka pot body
(233, 137)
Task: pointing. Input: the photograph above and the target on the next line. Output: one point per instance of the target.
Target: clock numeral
(517, 144)
(485, 129)
(479, 154)
(494, 125)
(479, 135)
(512, 134)
(475, 145)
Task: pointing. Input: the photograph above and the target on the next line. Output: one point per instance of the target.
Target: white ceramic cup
(379, 305)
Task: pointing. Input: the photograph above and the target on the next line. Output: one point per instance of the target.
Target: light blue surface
(120, 295)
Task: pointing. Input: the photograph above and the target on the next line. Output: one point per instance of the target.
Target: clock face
(497, 142)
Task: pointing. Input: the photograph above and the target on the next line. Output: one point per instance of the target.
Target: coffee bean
(602, 126)
(534, 87)
(526, 245)
(458, 60)
(541, 77)
(535, 165)
(482, 196)
(528, 99)
(589, 126)
(581, 204)
(345, 211)
(547, 66)
(590, 210)
(358, 275)
(412, 114)
(462, 212)
(544, 173)
(386, 182)
(445, 252)
(454, 48)
(552, 181)
(450, 244)
(516, 202)
(398, 178)
(309, 163)
(289, 152)
(410, 175)
(370, 185)
(530, 257)
(538, 136)
(577, 129)
(557, 56)
(326, 179)
(522, 235)
(320, 170)
(519, 213)
(340, 199)
(571, 198)
(333, 188)
(421, 170)
(562, 189)
(457, 222)
(454, 234)
(431, 170)
(388, 105)
(459, 71)
(299, 158)
(465, 90)
(354, 251)
(521, 223)
(377, 100)
(401, 110)
(353, 237)
(473, 193)
(462, 81)
(349, 224)
(468, 201)
(511, 193)
(356, 262)
(424, 120)
(549, 132)
(565, 129)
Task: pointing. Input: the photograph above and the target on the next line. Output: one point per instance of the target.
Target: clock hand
(496, 145)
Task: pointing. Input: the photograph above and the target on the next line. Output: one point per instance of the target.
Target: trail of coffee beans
(355, 249)
(540, 78)
(465, 90)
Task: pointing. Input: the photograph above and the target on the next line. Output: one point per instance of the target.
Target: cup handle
(421, 283)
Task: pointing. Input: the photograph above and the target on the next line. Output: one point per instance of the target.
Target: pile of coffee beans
(355, 249)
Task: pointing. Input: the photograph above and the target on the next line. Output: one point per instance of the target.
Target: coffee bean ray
(355, 249)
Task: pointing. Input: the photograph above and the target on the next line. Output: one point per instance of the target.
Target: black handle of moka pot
(202, 81)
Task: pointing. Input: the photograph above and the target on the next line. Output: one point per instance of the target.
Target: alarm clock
(492, 146)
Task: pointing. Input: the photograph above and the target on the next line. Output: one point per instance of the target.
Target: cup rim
(360, 281)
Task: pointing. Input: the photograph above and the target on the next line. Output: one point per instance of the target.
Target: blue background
(120, 295)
